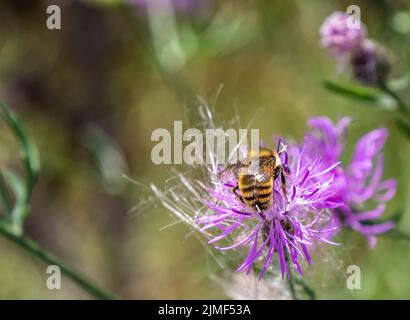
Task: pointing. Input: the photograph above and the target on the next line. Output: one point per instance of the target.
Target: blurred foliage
(91, 94)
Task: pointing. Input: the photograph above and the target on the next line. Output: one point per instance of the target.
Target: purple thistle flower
(360, 181)
(321, 197)
(338, 36)
(286, 230)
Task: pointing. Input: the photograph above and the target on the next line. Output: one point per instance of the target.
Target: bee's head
(264, 153)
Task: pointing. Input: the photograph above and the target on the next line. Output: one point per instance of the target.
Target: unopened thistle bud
(370, 63)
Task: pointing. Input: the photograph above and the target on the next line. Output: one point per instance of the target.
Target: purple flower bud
(364, 63)
(370, 64)
(338, 36)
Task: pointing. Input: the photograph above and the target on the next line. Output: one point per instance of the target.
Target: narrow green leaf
(4, 196)
(309, 292)
(29, 153)
(363, 93)
(17, 186)
(399, 84)
(225, 34)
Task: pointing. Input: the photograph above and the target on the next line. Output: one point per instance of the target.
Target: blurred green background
(91, 94)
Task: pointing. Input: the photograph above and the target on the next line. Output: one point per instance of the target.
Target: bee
(256, 176)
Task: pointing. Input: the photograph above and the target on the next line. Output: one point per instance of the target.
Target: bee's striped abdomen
(256, 194)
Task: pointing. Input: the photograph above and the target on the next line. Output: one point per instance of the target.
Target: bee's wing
(231, 170)
(262, 170)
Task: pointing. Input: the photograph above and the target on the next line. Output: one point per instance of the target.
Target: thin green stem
(403, 107)
(11, 225)
(308, 290)
(29, 153)
(4, 196)
(292, 289)
(295, 282)
(35, 249)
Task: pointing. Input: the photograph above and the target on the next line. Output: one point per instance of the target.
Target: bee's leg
(273, 195)
(234, 189)
(276, 174)
(260, 212)
(283, 180)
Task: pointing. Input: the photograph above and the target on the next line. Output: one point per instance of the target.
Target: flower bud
(339, 36)
(370, 64)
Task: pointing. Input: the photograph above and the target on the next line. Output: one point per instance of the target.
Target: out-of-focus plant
(15, 192)
(369, 64)
(108, 158)
(177, 41)
(188, 31)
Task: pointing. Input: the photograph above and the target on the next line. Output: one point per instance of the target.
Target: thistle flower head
(339, 36)
(359, 183)
(319, 197)
(287, 229)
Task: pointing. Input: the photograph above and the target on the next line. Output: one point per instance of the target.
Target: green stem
(29, 154)
(292, 289)
(35, 249)
(403, 107)
(308, 290)
(4, 196)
